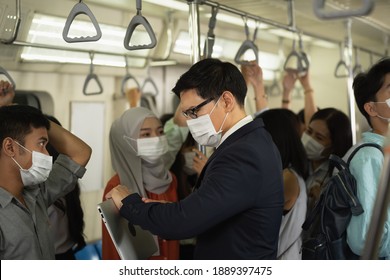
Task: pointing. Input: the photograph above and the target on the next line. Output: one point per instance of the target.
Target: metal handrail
(81, 8)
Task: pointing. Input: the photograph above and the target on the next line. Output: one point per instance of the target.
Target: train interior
(72, 58)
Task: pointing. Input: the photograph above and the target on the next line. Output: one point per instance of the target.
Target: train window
(47, 30)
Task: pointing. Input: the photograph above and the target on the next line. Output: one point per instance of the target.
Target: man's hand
(118, 194)
(200, 161)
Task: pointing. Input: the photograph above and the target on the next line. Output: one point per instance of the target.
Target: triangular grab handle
(90, 77)
(150, 81)
(298, 67)
(339, 67)
(135, 21)
(8, 76)
(126, 78)
(246, 45)
(81, 8)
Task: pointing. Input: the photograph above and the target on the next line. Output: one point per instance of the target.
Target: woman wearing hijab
(141, 157)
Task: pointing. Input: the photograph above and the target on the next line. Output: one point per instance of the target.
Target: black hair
(284, 127)
(210, 78)
(339, 126)
(166, 117)
(366, 85)
(16, 121)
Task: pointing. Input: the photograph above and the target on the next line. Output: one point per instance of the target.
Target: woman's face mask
(152, 148)
(39, 170)
(313, 148)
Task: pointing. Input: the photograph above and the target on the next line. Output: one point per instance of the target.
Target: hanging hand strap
(341, 66)
(357, 68)
(135, 21)
(149, 80)
(293, 61)
(16, 26)
(304, 60)
(126, 78)
(92, 76)
(209, 42)
(247, 45)
(81, 8)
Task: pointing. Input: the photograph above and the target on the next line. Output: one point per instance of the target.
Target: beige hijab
(132, 170)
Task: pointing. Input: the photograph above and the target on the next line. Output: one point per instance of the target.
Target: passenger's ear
(8, 147)
(369, 107)
(228, 101)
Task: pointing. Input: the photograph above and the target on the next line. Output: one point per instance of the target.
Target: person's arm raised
(310, 105)
(69, 144)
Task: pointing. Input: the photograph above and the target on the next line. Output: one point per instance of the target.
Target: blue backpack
(329, 219)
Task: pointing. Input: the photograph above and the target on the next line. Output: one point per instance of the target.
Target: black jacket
(236, 209)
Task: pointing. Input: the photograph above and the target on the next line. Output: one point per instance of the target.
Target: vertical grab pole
(351, 99)
(194, 31)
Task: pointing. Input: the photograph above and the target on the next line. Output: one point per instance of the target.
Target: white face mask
(312, 147)
(39, 170)
(388, 104)
(151, 149)
(203, 131)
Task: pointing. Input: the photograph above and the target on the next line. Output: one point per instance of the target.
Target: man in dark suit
(236, 208)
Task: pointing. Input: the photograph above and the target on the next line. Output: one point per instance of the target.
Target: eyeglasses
(192, 113)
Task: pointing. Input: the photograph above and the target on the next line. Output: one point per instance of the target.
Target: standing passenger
(372, 95)
(141, 155)
(284, 127)
(29, 182)
(237, 207)
(329, 132)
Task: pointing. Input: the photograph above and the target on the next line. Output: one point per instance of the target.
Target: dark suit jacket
(236, 209)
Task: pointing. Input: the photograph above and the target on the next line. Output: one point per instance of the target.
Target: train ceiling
(370, 32)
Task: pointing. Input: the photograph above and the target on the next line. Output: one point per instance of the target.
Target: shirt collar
(235, 127)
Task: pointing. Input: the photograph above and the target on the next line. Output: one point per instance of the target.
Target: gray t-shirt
(25, 232)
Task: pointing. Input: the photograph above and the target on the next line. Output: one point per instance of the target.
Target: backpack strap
(362, 146)
(358, 209)
(313, 214)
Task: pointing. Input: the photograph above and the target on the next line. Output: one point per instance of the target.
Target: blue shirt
(366, 167)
